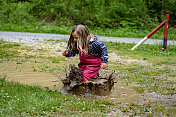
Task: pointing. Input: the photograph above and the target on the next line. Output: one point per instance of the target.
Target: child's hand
(64, 53)
(103, 65)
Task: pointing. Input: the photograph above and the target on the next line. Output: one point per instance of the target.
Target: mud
(107, 87)
(24, 74)
(95, 86)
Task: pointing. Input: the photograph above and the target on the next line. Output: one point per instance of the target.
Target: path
(23, 37)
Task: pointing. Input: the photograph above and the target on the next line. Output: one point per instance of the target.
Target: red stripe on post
(166, 31)
(156, 29)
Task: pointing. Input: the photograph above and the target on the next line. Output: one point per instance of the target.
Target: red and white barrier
(166, 22)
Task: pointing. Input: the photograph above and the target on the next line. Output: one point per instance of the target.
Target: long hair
(83, 39)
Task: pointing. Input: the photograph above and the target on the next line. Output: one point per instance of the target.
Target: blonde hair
(83, 39)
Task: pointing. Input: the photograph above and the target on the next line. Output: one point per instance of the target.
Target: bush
(99, 13)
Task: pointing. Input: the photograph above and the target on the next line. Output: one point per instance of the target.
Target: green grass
(157, 76)
(23, 100)
(148, 78)
(150, 53)
(134, 33)
(119, 32)
(6, 49)
(36, 27)
(152, 77)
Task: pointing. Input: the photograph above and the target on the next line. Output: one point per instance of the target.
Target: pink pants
(89, 66)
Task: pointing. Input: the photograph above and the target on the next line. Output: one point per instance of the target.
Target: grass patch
(150, 53)
(6, 50)
(158, 77)
(148, 78)
(35, 27)
(56, 60)
(23, 100)
(46, 68)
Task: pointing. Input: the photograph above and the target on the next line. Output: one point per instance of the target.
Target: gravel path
(25, 37)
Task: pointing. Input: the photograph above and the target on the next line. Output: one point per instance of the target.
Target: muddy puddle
(24, 73)
(123, 94)
(120, 94)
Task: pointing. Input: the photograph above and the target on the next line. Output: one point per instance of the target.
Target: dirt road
(23, 37)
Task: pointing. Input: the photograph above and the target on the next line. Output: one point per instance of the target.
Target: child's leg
(90, 71)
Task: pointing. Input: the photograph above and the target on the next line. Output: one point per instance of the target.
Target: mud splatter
(95, 86)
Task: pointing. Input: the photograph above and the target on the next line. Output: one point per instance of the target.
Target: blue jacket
(98, 49)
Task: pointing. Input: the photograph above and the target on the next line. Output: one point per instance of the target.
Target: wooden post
(166, 32)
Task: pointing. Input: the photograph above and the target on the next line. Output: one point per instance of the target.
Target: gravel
(24, 37)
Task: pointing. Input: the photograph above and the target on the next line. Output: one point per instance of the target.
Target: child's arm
(65, 53)
(70, 53)
(103, 65)
(104, 55)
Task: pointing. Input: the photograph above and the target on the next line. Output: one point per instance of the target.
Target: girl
(92, 53)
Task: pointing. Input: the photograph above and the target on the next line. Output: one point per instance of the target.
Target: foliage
(99, 13)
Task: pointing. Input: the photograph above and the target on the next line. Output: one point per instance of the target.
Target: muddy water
(123, 94)
(24, 74)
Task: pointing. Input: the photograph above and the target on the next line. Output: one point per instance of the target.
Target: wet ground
(37, 71)
(24, 74)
